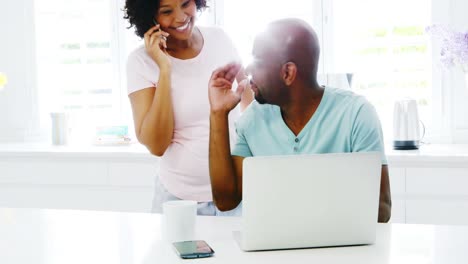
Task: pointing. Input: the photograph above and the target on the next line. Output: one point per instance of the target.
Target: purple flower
(454, 48)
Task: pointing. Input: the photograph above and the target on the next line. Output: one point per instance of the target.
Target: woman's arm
(152, 108)
(153, 115)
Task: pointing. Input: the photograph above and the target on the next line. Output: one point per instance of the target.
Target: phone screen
(193, 249)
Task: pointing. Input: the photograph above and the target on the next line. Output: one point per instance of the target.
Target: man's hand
(222, 97)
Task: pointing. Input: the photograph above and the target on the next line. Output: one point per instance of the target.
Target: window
(77, 68)
(83, 46)
(381, 43)
(384, 45)
(243, 19)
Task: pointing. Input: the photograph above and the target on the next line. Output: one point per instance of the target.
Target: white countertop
(135, 150)
(66, 236)
(436, 154)
(452, 155)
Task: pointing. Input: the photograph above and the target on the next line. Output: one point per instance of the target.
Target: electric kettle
(406, 134)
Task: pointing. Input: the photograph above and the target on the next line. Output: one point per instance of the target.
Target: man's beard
(259, 98)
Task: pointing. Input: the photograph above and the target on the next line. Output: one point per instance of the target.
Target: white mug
(179, 219)
(60, 128)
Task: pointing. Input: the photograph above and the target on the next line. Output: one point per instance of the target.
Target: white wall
(18, 104)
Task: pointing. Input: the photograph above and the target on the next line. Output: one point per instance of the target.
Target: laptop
(306, 201)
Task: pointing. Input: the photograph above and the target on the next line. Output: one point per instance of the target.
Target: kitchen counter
(452, 155)
(41, 150)
(428, 154)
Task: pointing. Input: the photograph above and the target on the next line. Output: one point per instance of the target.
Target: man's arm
(385, 201)
(367, 136)
(225, 170)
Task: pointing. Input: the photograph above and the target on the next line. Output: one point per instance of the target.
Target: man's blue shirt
(343, 122)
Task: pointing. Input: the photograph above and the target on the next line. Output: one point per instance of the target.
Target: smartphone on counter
(193, 249)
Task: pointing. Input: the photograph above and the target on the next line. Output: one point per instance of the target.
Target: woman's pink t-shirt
(184, 165)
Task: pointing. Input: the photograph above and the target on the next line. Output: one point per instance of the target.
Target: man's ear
(289, 72)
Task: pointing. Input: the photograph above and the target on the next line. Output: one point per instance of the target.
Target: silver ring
(164, 38)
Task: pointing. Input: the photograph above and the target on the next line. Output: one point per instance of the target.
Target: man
(292, 113)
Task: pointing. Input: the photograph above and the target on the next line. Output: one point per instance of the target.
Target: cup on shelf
(60, 128)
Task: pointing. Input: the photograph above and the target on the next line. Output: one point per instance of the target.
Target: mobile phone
(193, 249)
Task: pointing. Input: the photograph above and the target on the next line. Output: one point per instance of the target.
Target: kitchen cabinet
(110, 179)
(397, 188)
(431, 195)
(429, 186)
(437, 195)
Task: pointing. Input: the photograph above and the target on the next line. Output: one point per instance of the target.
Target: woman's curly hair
(140, 13)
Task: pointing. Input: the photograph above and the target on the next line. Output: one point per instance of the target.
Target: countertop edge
(430, 155)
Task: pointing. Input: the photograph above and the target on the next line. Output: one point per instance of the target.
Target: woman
(168, 90)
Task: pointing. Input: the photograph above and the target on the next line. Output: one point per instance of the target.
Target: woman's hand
(222, 97)
(155, 43)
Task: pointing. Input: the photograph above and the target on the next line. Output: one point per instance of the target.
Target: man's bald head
(291, 40)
